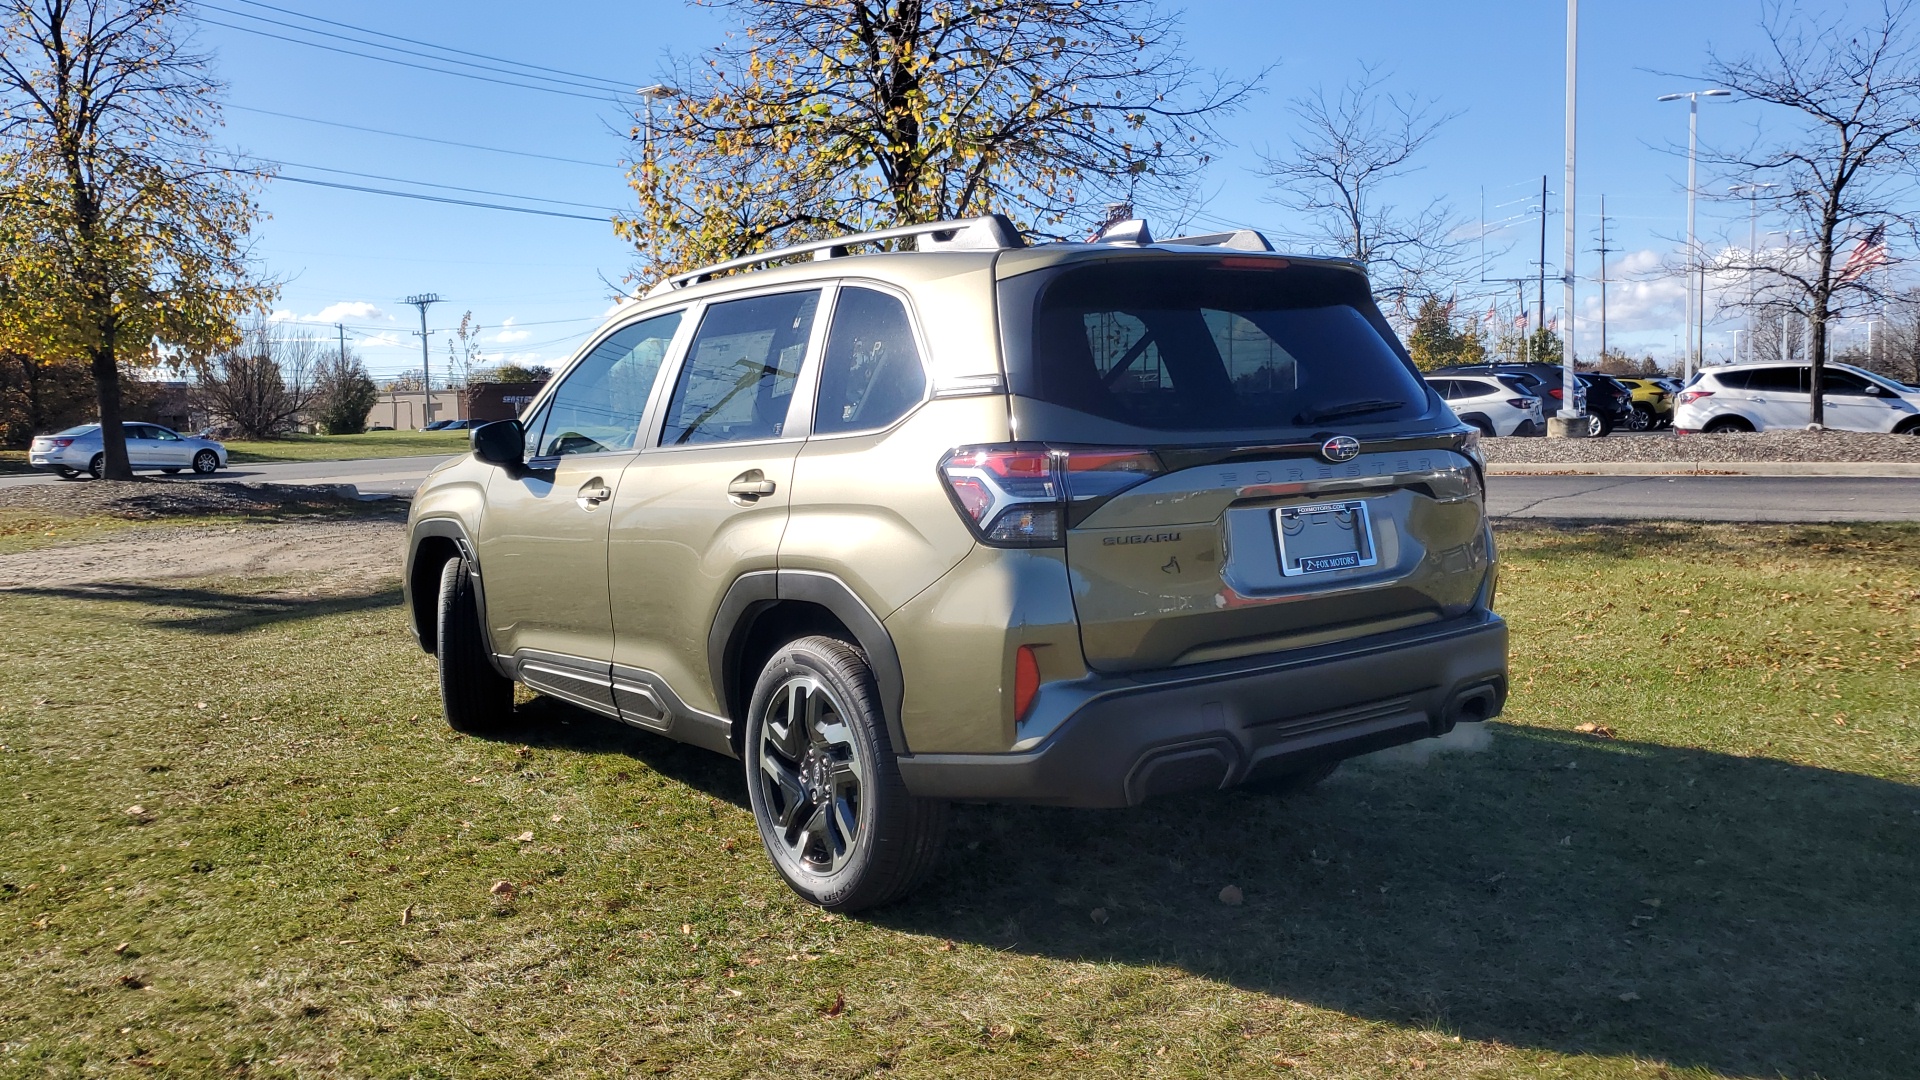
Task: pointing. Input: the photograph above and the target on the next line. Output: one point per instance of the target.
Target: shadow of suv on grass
(1743, 915)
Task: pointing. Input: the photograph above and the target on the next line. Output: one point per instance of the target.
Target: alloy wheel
(811, 775)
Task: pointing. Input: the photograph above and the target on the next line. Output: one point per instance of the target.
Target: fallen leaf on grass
(121, 948)
(132, 982)
(1652, 901)
(1629, 996)
(1598, 731)
(502, 889)
(1099, 915)
(839, 1004)
(406, 915)
(136, 811)
(1232, 896)
(525, 837)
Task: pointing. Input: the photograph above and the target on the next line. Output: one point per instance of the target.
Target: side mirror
(502, 443)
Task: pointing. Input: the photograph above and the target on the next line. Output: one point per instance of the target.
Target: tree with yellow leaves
(823, 117)
(125, 232)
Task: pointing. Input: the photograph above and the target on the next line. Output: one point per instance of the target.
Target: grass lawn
(237, 838)
(373, 444)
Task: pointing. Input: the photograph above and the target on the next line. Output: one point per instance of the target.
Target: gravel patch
(1766, 446)
(145, 499)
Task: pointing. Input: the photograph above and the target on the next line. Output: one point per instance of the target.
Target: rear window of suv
(1202, 345)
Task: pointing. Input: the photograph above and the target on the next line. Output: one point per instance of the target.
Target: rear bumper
(1213, 726)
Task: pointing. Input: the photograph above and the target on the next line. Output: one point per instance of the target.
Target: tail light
(1020, 494)
(1688, 397)
(61, 444)
(1520, 403)
(1555, 394)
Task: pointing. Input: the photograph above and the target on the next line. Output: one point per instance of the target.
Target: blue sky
(539, 284)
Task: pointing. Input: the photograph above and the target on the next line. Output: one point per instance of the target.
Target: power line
(427, 44)
(616, 88)
(443, 187)
(403, 63)
(425, 138)
(440, 199)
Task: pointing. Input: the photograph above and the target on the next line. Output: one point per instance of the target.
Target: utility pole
(1540, 312)
(1603, 251)
(342, 327)
(1696, 273)
(424, 301)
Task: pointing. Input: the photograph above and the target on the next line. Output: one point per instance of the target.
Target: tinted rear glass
(1194, 345)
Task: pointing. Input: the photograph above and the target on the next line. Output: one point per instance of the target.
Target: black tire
(1643, 418)
(833, 773)
(1599, 425)
(476, 699)
(1910, 427)
(170, 472)
(1287, 784)
(1485, 425)
(1721, 425)
(97, 468)
(65, 473)
(205, 462)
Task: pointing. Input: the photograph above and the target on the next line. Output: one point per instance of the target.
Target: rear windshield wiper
(1350, 408)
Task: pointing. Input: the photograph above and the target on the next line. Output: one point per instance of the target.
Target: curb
(1880, 469)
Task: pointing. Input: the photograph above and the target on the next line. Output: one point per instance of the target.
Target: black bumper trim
(1136, 738)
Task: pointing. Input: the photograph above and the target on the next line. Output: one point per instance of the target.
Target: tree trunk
(1817, 372)
(113, 437)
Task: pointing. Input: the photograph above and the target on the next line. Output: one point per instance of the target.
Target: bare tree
(1847, 102)
(831, 116)
(263, 386)
(464, 352)
(1352, 145)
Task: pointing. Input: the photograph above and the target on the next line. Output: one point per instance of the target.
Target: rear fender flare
(753, 593)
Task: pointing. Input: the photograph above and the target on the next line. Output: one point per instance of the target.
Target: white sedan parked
(1495, 404)
(149, 446)
(1767, 397)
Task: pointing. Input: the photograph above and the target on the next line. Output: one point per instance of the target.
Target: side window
(737, 381)
(136, 431)
(163, 434)
(871, 373)
(1846, 382)
(599, 406)
(1443, 387)
(1778, 380)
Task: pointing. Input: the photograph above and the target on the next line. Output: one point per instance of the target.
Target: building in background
(490, 401)
(406, 410)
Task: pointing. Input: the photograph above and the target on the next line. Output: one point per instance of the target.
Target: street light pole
(1753, 255)
(1695, 337)
(1569, 409)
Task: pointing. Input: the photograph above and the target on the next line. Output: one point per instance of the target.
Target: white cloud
(508, 335)
(344, 311)
(382, 340)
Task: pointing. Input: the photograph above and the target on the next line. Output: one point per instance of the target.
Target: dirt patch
(323, 555)
(144, 498)
(1822, 446)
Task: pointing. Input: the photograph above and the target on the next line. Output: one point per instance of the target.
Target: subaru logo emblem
(1340, 448)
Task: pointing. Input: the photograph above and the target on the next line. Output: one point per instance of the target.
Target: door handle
(593, 493)
(751, 484)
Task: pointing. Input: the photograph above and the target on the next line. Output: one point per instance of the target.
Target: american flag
(1493, 316)
(1869, 254)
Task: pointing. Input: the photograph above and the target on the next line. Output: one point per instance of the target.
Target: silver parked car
(149, 446)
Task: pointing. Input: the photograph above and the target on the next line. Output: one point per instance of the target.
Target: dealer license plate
(1324, 537)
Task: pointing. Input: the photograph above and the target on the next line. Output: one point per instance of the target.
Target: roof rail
(1238, 240)
(992, 232)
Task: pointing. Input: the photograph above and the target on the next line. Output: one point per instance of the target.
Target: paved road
(1695, 498)
(393, 476)
(1705, 498)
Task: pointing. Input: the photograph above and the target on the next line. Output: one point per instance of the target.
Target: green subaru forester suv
(1074, 523)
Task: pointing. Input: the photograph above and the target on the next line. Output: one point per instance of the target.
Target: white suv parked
(1766, 397)
(1496, 404)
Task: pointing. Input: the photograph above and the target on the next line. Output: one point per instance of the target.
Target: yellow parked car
(1651, 400)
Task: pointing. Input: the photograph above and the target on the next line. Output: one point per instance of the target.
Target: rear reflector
(1026, 681)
